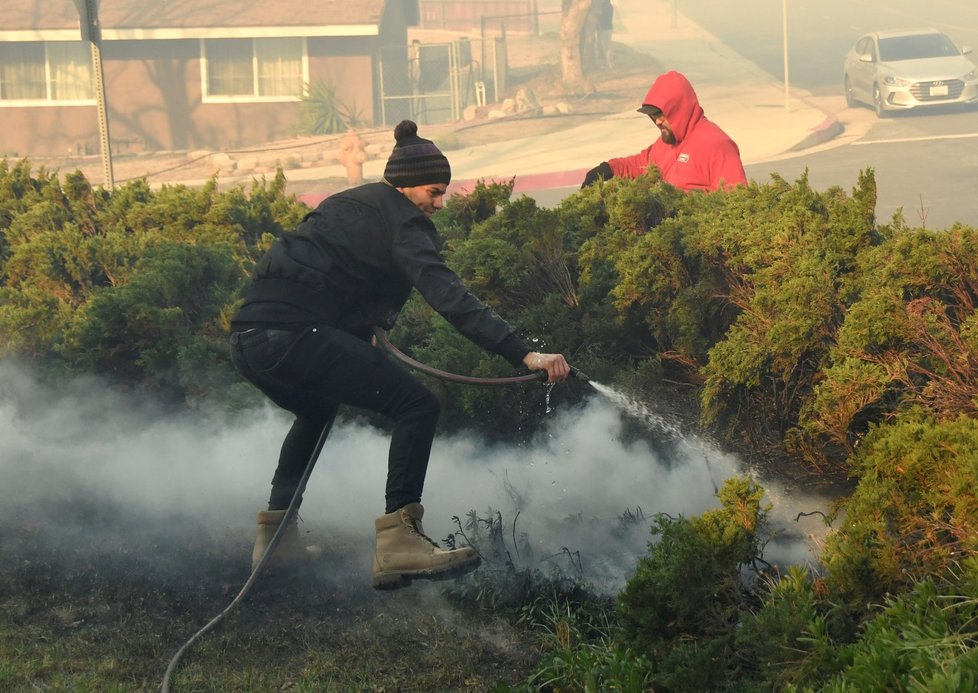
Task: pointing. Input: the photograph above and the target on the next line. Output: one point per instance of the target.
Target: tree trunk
(572, 22)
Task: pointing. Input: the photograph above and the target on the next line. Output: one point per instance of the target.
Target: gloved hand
(600, 172)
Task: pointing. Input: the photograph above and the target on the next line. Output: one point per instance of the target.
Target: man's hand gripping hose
(534, 375)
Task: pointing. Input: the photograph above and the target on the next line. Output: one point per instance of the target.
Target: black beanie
(415, 160)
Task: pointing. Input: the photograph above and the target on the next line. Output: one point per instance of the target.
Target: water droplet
(550, 387)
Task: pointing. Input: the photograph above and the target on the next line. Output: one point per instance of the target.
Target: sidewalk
(736, 94)
(746, 102)
(749, 104)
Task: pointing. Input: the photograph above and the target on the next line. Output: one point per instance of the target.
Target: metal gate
(434, 82)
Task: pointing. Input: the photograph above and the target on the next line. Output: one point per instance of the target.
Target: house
(480, 15)
(188, 74)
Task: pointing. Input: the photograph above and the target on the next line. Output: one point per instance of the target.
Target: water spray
(381, 340)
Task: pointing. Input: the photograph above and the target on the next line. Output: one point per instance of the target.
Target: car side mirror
(865, 58)
(966, 49)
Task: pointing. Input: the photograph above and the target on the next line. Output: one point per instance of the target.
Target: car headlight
(892, 81)
(970, 76)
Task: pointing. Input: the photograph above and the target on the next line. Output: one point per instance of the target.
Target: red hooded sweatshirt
(703, 157)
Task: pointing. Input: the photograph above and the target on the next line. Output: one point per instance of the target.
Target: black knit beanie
(415, 160)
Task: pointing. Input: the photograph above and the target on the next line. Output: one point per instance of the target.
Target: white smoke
(567, 491)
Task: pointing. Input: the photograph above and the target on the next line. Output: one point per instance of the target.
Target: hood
(674, 96)
(930, 69)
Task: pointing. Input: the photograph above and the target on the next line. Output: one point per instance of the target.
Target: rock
(223, 162)
(526, 101)
(268, 162)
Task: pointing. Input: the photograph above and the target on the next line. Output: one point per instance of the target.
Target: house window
(272, 69)
(35, 72)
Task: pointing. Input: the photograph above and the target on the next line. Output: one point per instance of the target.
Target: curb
(521, 184)
(527, 183)
(828, 129)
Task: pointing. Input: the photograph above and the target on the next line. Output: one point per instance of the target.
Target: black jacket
(352, 263)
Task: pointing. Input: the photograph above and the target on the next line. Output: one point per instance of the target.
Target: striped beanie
(415, 160)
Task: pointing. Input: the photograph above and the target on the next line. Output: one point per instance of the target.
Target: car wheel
(850, 97)
(878, 102)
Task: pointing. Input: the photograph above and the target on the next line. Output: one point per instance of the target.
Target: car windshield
(916, 47)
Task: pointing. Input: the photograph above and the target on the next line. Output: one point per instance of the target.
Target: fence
(434, 82)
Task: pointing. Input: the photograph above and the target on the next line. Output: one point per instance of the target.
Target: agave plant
(322, 113)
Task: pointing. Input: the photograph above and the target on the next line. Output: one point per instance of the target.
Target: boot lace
(416, 528)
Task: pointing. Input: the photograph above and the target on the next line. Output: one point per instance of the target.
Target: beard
(668, 136)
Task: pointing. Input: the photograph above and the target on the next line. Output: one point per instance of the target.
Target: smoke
(566, 494)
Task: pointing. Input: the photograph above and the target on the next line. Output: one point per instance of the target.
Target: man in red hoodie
(692, 153)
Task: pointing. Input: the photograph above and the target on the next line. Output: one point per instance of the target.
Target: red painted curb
(522, 184)
(527, 183)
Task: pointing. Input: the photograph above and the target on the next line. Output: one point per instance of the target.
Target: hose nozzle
(575, 373)
(580, 375)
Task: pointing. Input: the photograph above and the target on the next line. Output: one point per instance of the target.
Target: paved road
(924, 162)
(819, 33)
(914, 174)
(929, 178)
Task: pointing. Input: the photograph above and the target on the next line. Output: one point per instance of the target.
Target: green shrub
(134, 285)
(682, 606)
(914, 513)
(909, 338)
(924, 640)
(796, 636)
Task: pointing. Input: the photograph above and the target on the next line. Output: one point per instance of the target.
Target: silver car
(904, 70)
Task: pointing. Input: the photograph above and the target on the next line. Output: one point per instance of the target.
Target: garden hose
(286, 519)
(533, 376)
(383, 341)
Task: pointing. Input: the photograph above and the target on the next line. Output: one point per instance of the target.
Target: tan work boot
(290, 550)
(404, 553)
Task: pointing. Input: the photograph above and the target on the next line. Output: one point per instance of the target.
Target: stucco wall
(153, 92)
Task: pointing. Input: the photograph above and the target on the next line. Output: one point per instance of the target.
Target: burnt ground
(93, 598)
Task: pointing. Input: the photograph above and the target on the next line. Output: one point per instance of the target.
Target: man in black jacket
(303, 335)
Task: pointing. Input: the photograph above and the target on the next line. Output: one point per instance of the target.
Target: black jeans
(311, 372)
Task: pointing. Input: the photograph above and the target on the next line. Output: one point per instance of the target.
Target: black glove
(600, 172)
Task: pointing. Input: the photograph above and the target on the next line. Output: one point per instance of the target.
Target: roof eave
(162, 33)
